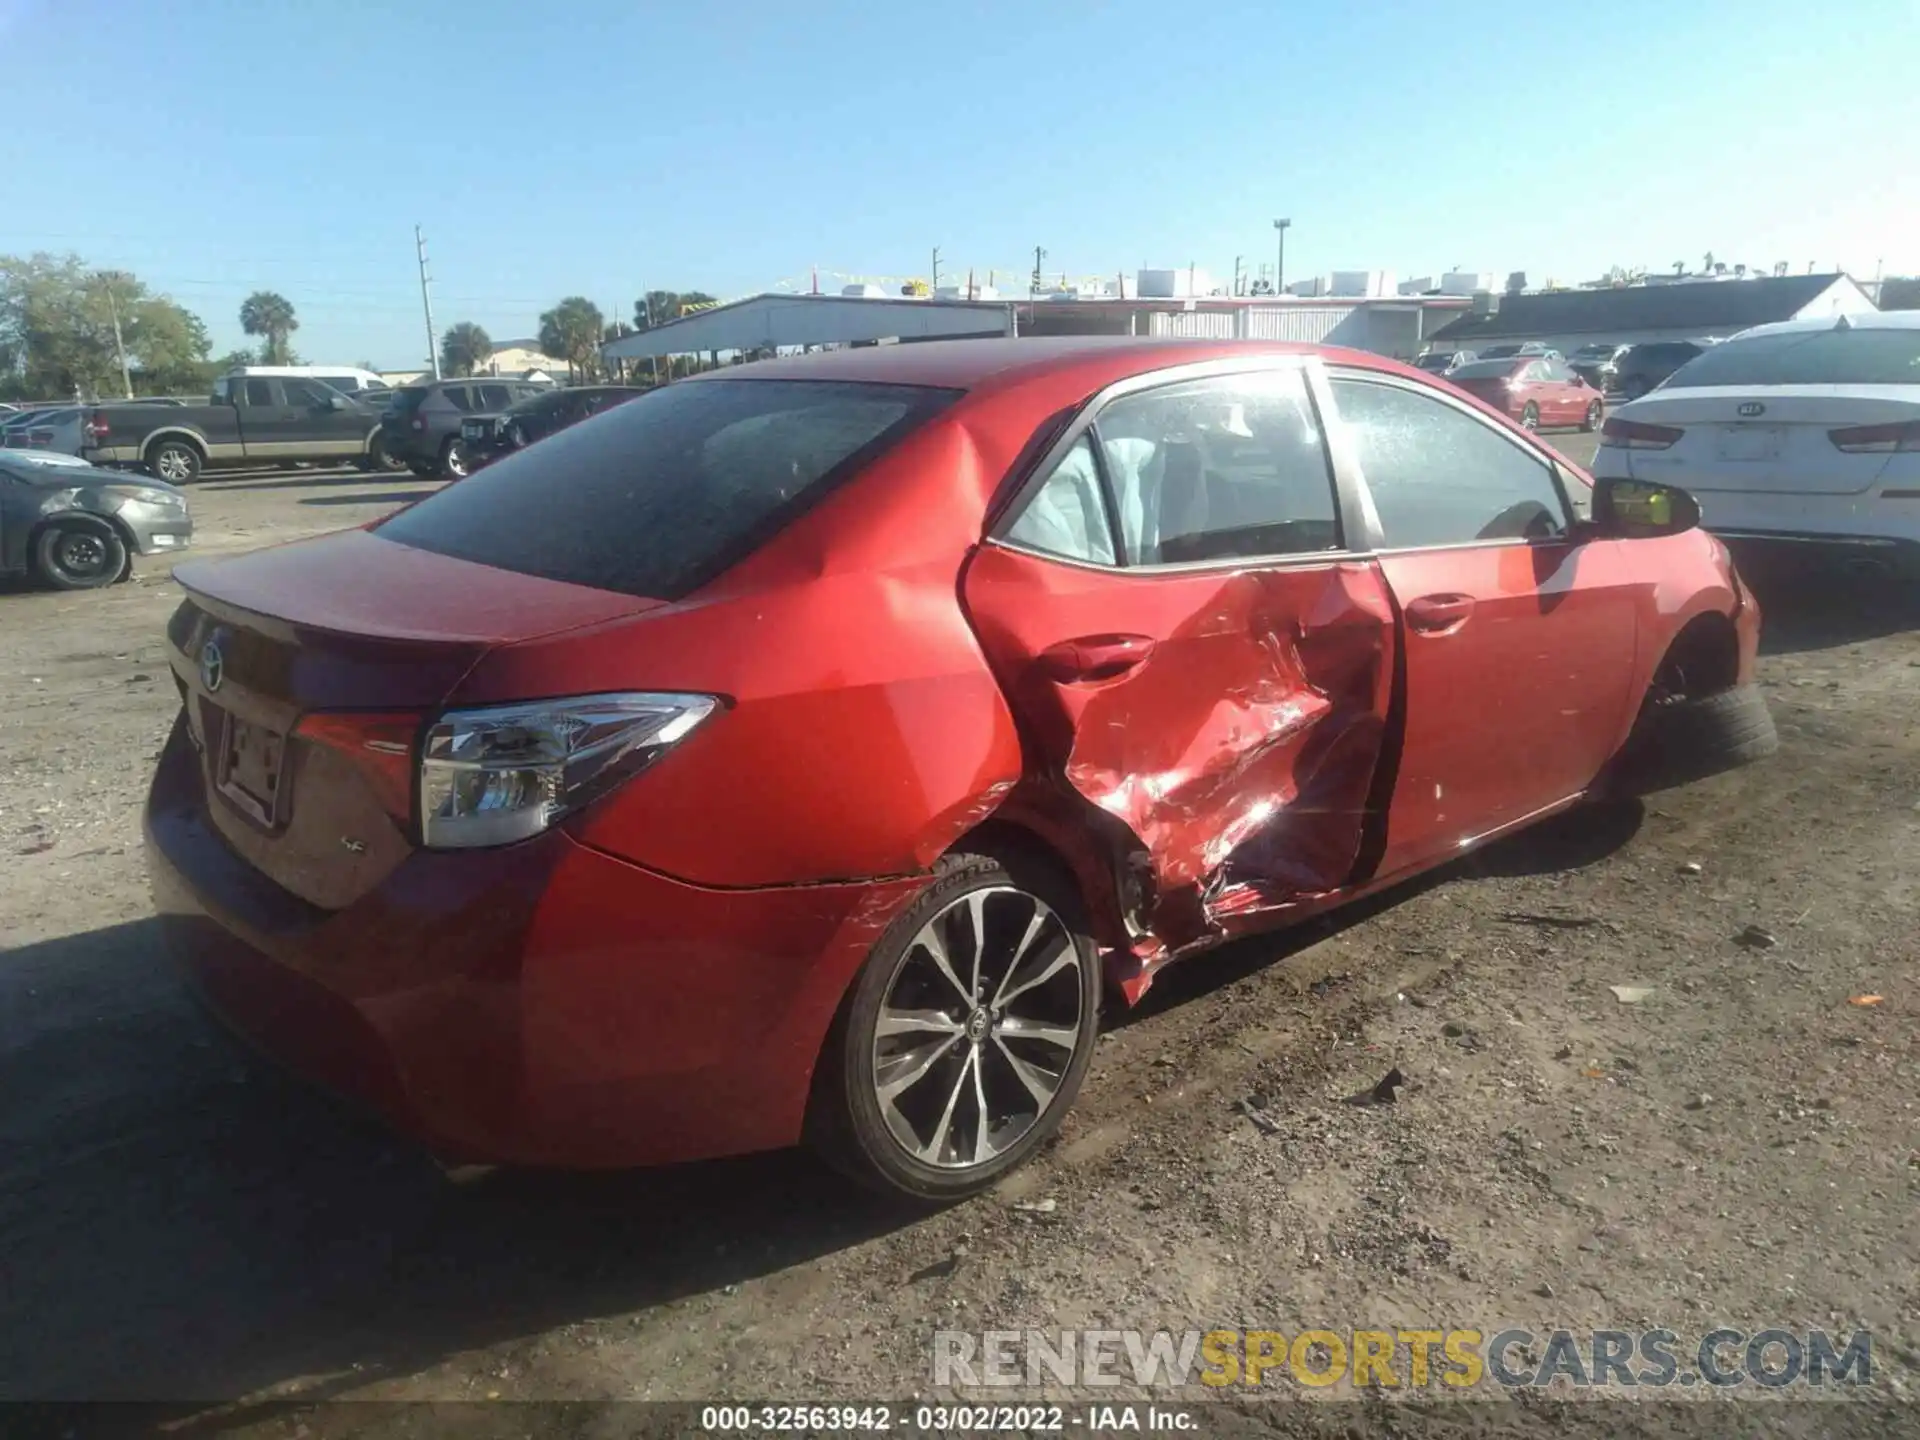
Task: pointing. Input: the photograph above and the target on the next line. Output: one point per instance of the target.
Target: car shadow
(1582, 836)
(275, 480)
(1810, 611)
(378, 497)
(180, 1223)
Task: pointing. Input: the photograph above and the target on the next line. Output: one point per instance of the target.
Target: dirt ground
(1741, 1146)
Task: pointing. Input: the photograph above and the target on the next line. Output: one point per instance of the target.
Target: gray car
(421, 425)
(73, 526)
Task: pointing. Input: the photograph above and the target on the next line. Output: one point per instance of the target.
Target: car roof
(980, 364)
(1865, 320)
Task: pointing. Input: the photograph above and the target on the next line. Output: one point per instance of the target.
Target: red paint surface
(1208, 751)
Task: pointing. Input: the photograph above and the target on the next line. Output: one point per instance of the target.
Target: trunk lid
(269, 649)
(1493, 392)
(1782, 448)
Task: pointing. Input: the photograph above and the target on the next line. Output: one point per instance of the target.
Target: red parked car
(1535, 390)
(793, 752)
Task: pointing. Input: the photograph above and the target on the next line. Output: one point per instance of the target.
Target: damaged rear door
(1191, 648)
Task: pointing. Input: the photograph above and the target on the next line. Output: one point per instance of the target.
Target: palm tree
(571, 331)
(465, 348)
(271, 317)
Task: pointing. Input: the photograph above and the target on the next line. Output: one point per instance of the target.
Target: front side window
(665, 492)
(458, 397)
(1067, 516)
(1439, 476)
(1228, 467)
(306, 392)
(260, 392)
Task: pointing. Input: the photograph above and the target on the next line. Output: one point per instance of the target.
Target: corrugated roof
(1707, 305)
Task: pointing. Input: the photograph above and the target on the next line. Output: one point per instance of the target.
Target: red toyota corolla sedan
(793, 752)
(1538, 391)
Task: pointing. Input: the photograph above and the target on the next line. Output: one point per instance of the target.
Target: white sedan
(1805, 432)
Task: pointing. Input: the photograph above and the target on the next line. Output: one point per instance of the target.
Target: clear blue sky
(218, 146)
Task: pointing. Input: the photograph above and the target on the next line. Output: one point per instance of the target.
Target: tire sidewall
(847, 1123)
(47, 569)
(1530, 416)
(450, 452)
(194, 463)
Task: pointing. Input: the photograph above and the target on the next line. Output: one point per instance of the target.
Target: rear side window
(659, 496)
(494, 397)
(456, 396)
(1859, 356)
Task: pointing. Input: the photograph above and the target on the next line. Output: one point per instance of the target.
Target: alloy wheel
(978, 1029)
(173, 465)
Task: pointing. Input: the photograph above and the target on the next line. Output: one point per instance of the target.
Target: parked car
(74, 526)
(1536, 392)
(1802, 438)
(793, 750)
(1646, 367)
(1595, 364)
(251, 420)
(485, 438)
(57, 430)
(422, 424)
(1444, 363)
(347, 379)
(1530, 347)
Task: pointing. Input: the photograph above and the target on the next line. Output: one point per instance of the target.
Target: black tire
(846, 1123)
(1530, 416)
(453, 459)
(424, 470)
(1595, 413)
(1678, 741)
(178, 462)
(74, 555)
(377, 460)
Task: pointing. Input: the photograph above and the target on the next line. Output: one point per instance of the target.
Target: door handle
(1094, 657)
(1439, 614)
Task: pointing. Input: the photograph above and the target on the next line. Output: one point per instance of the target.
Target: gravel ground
(1739, 1146)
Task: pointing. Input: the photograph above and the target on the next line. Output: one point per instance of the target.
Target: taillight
(507, 772)
(98, 426)
(1900, 437)
(380, 747)
(1638, 435)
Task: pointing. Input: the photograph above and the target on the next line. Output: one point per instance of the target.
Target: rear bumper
(542, 1004)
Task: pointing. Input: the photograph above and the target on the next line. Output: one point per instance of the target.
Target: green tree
(657, 307)
(58, 331)
(270, 316)
(465, 348)
(571, 332)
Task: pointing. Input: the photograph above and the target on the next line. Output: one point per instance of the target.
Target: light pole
(1280, 256)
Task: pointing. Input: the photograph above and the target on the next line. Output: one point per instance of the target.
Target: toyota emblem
(1753, 407)
(213, 666)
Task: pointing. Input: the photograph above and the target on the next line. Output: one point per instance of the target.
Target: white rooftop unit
(1310, 288)
(865, 292)
(1361, 284)
(1419, 285)
(1466, 282)
(960, 292)
(1181, 284)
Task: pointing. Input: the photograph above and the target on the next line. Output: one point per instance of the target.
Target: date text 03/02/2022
(946, 1419)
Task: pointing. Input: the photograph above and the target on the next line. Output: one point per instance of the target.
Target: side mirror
(1642, 510)
(337, 402)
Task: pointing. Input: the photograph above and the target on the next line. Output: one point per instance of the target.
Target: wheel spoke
(1039, 1084)
(1034, 927)
(935, 945)
(1067, 1037)
(982, 1137)
(1062, 955)
(911, 1066)
(939, 1140)
(977, 917)
(916, 1022)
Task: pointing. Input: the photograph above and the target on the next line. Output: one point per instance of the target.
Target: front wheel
(174, 461)
(1530, 417)
(1594, 414)
(79, 557)
(377, 460)
(966, 1035)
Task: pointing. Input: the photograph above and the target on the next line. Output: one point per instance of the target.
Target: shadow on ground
(1803, 610)
(378, 497)
(178, 1222)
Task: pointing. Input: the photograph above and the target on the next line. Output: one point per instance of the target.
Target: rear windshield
(658, 496)
(1482, 370)
(406, 400)
(1859, 356)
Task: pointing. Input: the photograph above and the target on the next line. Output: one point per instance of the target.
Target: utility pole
(426, 302)
(119, 344)
(1236, 272)
(1039, 256)
(935, 287)
(1280, 256)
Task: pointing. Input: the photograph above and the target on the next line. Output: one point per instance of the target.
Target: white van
(345, 378)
